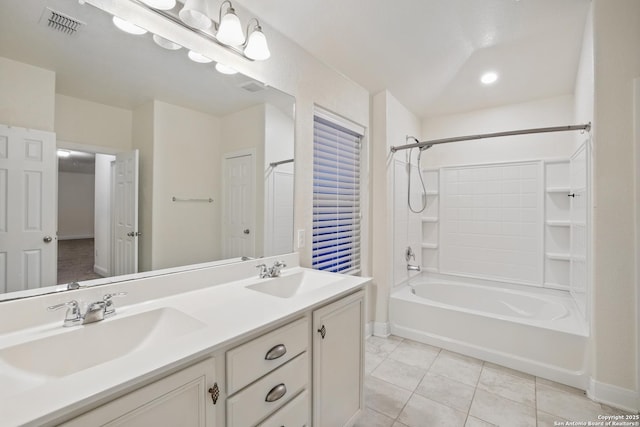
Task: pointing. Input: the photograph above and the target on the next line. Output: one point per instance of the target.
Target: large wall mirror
(209, 155)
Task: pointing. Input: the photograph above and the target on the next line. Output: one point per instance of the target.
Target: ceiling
(430, 53)
(103, 64)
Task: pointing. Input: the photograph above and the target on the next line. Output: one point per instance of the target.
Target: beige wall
(90, 123)
(617, 63)
(393, 122)
(28, 95)
(557, 111)
(76, 192)
(185, 155)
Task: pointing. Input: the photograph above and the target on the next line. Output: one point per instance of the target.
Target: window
(336, 195)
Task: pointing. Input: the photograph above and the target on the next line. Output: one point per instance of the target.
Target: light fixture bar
(175, 19)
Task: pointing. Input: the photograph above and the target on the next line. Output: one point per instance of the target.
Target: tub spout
(411, 267)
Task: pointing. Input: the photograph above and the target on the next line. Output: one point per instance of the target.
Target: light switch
(301, 238)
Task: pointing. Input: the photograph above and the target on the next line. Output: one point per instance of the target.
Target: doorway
(84, 212)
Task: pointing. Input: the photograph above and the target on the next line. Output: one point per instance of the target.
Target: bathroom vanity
(214, 346)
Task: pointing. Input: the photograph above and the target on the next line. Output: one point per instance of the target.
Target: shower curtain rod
(585, 127)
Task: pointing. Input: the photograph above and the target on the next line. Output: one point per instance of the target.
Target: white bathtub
(541, 333)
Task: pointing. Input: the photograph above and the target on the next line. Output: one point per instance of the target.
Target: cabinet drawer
(293, 414)
(250, 405)
(252, 360)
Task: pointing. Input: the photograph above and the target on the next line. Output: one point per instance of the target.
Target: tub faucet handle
(409, 254)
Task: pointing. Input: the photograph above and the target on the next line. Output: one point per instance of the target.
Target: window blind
(336, 198)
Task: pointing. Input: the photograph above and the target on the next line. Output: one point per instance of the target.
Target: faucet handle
(73, 312)
(263, 270)
(109, 309)
(280, 264)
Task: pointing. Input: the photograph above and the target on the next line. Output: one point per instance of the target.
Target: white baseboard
(381, 329)
(101, 271)
(368, 329)
(618, 397)
(76, 236)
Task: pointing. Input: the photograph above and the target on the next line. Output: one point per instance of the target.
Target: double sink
(60, 352)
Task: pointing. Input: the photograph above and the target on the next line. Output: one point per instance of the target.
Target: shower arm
(429, 144)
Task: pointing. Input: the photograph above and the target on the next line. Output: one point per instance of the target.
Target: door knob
(47, 239)
(246, 231)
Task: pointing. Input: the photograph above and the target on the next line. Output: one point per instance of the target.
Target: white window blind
(336, 197)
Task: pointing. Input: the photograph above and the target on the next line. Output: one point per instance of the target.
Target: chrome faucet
(269, 272)
(95, 312)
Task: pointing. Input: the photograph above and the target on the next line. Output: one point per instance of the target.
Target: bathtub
(541, 333)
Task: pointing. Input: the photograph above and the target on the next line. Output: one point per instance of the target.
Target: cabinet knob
(323, 331)
(276, 352)
(215, 393)
(276, 393)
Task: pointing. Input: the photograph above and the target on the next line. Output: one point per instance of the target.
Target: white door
(239, 206)
(125, 211)
(28, 209)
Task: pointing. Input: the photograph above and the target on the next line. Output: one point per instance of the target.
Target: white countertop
(229, 312)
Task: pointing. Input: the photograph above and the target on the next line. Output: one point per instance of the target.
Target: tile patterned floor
(409, 384)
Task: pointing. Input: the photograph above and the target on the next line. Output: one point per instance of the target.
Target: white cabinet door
(181, 399)
(338, 359)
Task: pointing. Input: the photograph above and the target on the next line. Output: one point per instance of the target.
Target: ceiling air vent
(252, 86)
(60, 22)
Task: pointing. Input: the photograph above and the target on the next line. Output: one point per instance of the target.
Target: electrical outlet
(301, 238)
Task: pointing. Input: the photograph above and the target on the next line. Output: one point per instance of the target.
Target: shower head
(408, 137)
(426, 147)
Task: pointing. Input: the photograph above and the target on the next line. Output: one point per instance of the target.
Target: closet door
(28, 209)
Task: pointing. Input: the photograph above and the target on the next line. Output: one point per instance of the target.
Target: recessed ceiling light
(489, 77)
(128, 27)
(198, 57)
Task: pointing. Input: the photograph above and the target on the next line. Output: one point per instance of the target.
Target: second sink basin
(293, 284)
(82, 347)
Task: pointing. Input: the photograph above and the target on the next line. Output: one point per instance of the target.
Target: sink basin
(82, 347)
(294, 284)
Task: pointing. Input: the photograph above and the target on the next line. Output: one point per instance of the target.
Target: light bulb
(257, 47)
(225, 69)
(198, 57)
(489, 77)
(160, 4)
(128, 27)
(230, 29)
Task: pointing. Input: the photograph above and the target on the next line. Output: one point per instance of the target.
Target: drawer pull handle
(276, 352)
(276, 393)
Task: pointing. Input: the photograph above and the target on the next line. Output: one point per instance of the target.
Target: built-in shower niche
(557, 224)
(430, 221)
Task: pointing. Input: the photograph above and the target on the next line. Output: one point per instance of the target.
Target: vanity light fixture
(256, 46)
(225, 69)
(165, 43)
(160, 4)
(128, 27)
(195, 13)
(229, 27)
(198, 57)
(489, 77)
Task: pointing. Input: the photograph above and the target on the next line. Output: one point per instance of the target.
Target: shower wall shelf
(557, 205)
(431, 221)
